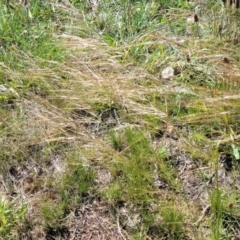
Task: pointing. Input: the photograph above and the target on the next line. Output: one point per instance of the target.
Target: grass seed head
(196, 19)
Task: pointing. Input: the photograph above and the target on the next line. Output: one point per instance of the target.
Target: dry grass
(74, 133)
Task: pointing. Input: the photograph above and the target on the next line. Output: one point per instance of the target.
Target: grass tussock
(119, 120)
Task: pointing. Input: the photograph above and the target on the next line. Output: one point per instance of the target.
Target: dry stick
(3, 183)
(119, 228)
(4, 122)
(116, 116)
(203, 214)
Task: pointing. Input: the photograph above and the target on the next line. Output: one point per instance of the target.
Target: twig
(119, 228)
(203, 214)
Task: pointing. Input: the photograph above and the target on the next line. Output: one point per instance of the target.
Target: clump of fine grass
(28, 29)
(123, 20)
(10, 217)
(134, 171)
(72, 192)
(76, 183)
(28, 47)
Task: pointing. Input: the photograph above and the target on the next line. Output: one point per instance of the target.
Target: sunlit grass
(86, 115)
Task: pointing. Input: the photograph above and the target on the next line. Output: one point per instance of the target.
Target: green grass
(11, 217)
(133, 177)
